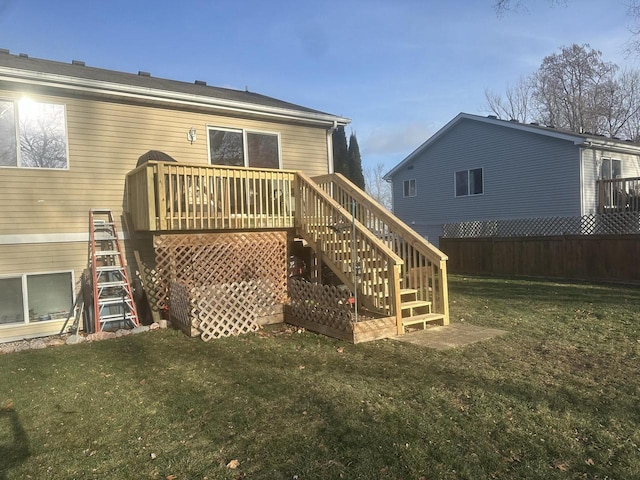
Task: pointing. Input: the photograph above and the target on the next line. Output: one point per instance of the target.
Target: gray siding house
(482, 168)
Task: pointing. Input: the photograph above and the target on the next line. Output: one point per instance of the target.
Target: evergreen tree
(340, 155)
(355, 162)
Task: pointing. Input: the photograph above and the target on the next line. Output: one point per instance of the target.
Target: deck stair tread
(415, 304)
(425, 317)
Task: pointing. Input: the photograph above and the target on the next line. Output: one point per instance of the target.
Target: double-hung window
(33, 134)
(37, 297)
(615, 197)
(409, 188)
(469, 182)
(610, 169)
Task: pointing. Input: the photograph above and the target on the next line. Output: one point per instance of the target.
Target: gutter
(162, 96)
(612, 147)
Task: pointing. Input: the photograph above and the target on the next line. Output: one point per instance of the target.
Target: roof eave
(163, 96)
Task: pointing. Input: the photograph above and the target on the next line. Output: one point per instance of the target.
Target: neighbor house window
(469, 182)
(409, 188)
(33, 298)
(242, 148)
(610, 169)
(33, 134)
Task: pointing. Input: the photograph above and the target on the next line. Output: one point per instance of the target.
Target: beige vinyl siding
(105, 140)
(43, 257)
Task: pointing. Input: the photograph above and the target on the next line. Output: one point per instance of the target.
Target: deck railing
(619, 195)
(333, 234)
(175, 196)
(425, 267)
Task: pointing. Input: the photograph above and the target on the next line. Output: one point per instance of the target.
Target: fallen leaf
(143, 381)
(340, 349)
(301, 367)
(233, 464)
(7, 405)
(171, 477)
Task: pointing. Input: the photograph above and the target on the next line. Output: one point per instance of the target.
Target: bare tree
(571, 88)
(516, 104)
(577, 90)
(377, 186)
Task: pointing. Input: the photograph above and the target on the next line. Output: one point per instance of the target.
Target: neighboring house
(481, 168)
(70, 139)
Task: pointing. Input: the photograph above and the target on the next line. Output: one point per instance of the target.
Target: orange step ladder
(113, 304)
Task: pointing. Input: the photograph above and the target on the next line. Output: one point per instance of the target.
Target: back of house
(70, 133)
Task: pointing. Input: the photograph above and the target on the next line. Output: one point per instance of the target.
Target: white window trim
(468, 170)
(415, 188)
(18, 149)
(25, 296)
(245, 148)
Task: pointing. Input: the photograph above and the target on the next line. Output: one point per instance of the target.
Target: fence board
(579, 257)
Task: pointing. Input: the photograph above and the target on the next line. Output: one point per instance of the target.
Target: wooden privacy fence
(424, 266)
(579, 257)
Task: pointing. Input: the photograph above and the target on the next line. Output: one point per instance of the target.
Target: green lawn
(556, 397)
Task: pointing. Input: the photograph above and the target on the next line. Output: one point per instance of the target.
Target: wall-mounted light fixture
(191, 136)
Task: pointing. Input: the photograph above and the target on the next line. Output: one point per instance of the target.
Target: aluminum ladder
(113, 304)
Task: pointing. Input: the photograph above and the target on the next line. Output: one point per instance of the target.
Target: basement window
(33, 134)
(409, 188)
(469, 182)
(31, 298)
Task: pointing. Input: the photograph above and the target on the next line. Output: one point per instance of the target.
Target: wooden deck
(619, 195)
(373, 253)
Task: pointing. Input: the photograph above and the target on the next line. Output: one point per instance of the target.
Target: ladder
(113, 304)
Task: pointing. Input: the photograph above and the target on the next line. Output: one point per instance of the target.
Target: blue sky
(400, 69)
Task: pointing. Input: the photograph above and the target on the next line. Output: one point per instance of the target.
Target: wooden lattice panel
(619, 223)
(207, 262)
(180, 309)
(223, 312)
(321, 304)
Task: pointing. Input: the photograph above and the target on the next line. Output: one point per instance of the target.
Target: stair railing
(425, 266)
(328, 227)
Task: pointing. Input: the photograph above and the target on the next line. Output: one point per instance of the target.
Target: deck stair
(113, 304)
(416, 313)
(419, 294)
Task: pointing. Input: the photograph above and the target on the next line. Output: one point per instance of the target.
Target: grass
(556, 397)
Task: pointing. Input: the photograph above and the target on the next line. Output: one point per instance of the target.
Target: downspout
(330, 131)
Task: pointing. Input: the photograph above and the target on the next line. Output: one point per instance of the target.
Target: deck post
(444, 292)
(396, 301)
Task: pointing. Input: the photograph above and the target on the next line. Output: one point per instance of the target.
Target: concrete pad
(450, 336)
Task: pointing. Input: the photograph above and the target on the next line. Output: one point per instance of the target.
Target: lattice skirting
(218, 285)
(326, 309)
(619, 223)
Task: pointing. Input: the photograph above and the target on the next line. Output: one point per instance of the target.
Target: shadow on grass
(17, 450)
